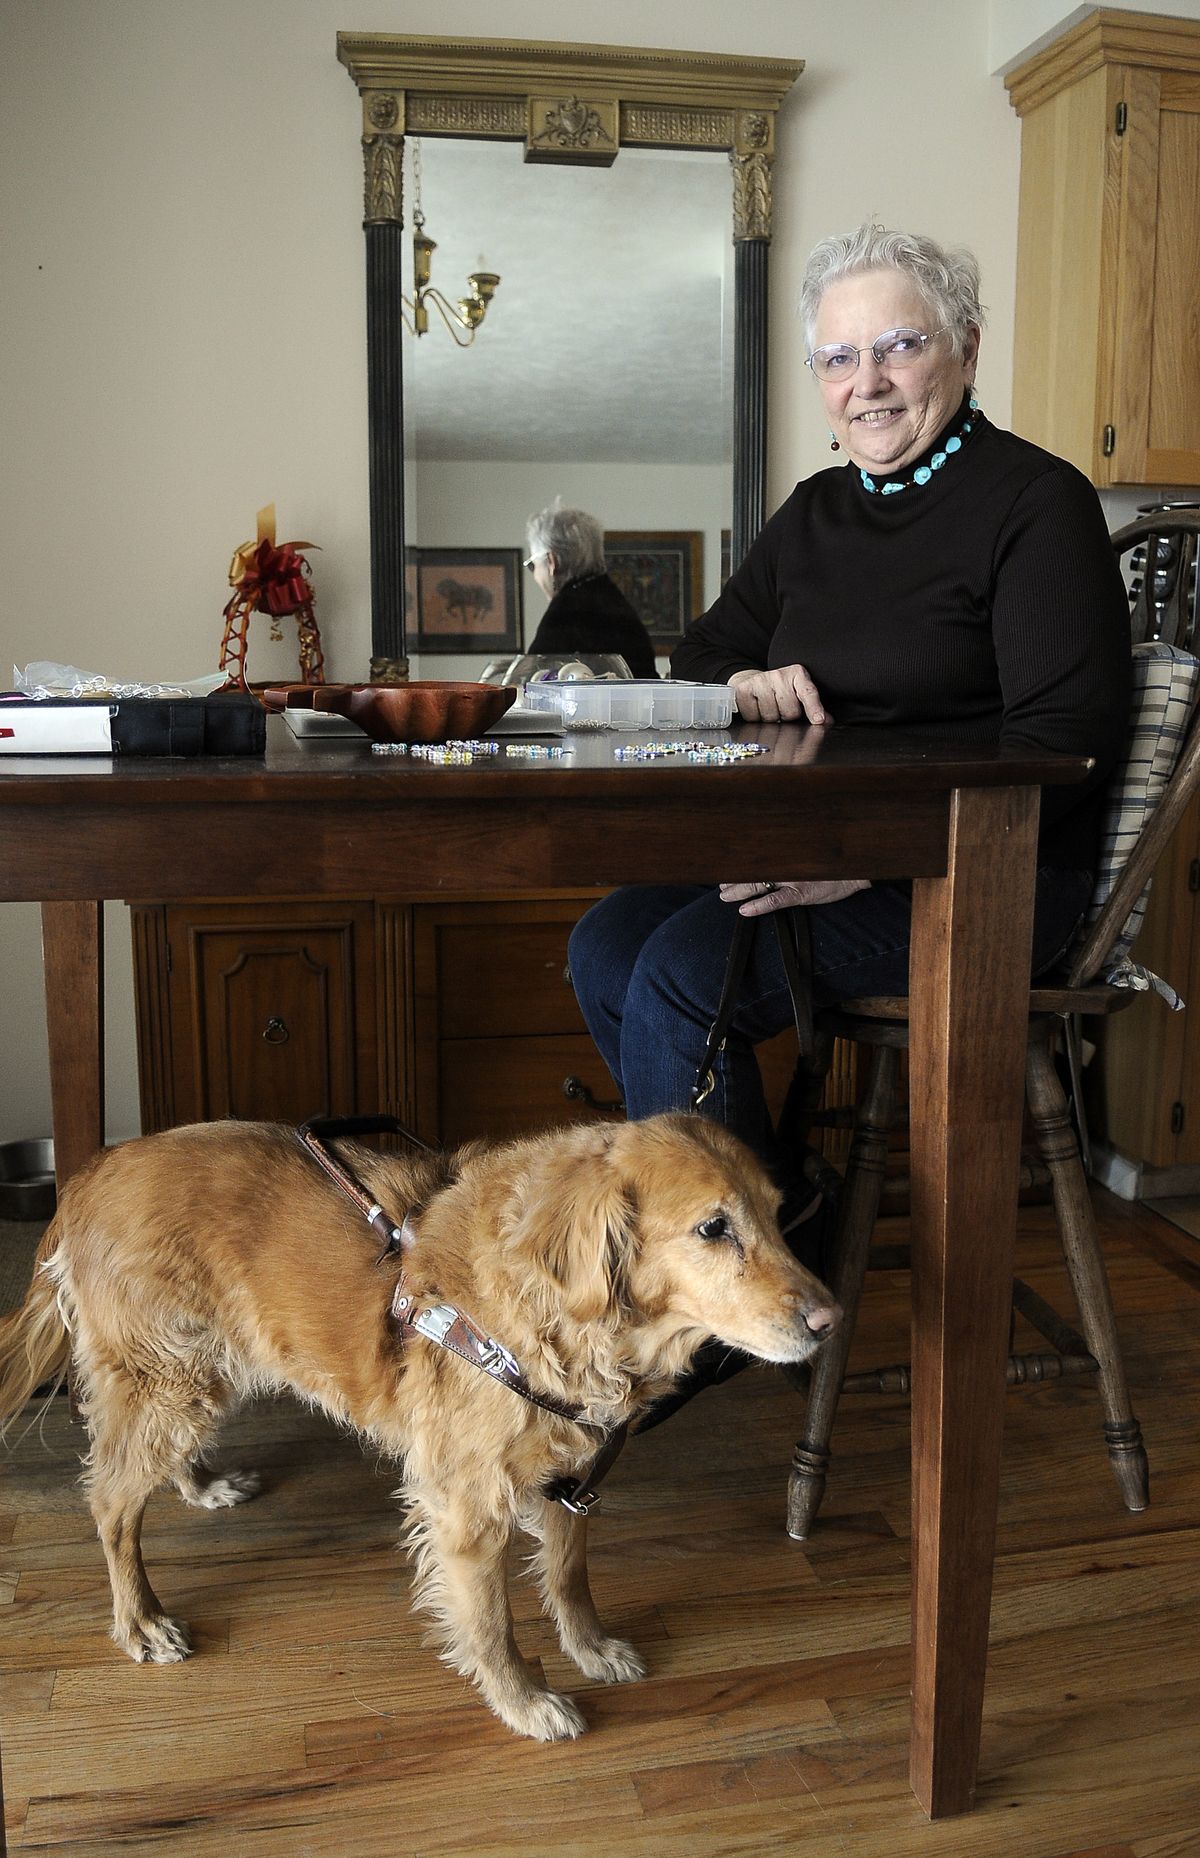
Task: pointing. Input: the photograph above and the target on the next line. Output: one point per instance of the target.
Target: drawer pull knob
(576, 1091)
(275, 1031)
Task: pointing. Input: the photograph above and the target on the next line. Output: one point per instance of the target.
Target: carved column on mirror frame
(383, 228)
(751, 156)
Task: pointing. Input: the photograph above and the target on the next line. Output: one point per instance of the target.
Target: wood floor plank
(315, 1722)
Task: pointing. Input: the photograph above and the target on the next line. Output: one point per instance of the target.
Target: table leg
(969, 988)
(73, 964)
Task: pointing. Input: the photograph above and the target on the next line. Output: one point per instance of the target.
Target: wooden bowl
(423, 712)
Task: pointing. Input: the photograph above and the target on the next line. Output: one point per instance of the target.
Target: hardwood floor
(313, 1723)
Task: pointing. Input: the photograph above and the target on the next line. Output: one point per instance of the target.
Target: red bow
(275, 579)
(270, 577)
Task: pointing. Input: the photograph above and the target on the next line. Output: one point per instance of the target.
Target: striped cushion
(1165, 683)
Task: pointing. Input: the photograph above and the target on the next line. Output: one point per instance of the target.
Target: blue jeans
(647, 963)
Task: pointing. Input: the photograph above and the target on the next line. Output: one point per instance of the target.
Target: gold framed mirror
(564, 105)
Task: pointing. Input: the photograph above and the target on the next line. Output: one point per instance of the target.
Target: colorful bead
(389, 748)
(712, 754)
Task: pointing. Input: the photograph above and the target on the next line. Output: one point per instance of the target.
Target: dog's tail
(35, 1345)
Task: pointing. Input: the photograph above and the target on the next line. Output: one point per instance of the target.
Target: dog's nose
(822, 1318)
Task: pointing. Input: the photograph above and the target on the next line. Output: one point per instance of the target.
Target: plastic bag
(45, 679)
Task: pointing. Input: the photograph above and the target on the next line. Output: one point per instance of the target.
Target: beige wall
(183, 316)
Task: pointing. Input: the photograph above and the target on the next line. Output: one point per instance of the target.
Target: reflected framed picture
(467, 600)
(661, 574)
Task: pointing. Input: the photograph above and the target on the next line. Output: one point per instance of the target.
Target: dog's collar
(444, 1323)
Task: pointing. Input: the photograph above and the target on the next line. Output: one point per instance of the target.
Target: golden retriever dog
(186, 1271)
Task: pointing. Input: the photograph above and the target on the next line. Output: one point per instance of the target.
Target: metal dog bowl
(27, 1180)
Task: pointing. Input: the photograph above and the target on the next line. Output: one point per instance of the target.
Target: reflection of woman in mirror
(948, 574)
(587, 610)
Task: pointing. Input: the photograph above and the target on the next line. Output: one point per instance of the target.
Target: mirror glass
(601, 374)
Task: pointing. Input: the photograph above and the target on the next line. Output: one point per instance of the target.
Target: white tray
(311, 723)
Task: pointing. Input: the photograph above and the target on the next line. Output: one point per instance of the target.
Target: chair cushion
(1165, 684)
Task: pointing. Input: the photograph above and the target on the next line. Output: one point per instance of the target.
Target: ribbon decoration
(270, 577)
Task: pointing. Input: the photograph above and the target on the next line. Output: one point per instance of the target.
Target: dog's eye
(717, 1227)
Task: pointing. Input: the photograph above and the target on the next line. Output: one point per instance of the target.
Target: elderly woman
(587, 610)
(946, 574)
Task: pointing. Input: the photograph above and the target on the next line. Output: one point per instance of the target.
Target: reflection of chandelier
(468, 312)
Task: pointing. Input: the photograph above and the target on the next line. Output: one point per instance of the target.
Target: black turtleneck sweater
(591, 614)
(986, 602)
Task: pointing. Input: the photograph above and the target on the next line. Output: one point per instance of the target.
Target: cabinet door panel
(1174, 420)
(526, 991)
(274, 1019)
(506, 1087)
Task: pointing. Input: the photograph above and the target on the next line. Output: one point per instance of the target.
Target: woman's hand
(782, 696)
(761, 899)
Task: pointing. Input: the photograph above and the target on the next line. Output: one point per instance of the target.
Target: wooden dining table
(325, 819)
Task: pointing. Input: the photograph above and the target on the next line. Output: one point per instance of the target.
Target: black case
(227, 723)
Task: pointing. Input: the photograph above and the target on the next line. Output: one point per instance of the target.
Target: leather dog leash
(312, 1137)
(444, 1323)
(794, 935)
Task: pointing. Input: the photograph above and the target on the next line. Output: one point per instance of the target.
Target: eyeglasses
(532, 560)
(895, 348)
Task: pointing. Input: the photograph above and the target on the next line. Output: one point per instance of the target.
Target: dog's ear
(577, 1223)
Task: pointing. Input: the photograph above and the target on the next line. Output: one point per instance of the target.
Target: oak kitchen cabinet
(1106, 358)
(454, 1016)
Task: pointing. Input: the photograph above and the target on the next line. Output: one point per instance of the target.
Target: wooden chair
(1100, 979)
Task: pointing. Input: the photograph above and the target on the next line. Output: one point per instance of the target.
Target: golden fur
(190, 1269)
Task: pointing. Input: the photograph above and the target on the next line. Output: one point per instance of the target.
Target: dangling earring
(833, 444)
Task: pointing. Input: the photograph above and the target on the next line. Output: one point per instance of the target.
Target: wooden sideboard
(456, 1017)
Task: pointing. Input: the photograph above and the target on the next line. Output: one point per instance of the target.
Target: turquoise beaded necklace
(924, 472)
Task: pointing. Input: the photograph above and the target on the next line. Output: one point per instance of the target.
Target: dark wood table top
(330, 815)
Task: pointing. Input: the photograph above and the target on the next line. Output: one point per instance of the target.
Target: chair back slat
(1172, 620)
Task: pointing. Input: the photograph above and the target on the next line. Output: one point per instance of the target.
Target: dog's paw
(547, 1717)
(229, 1488)
(612, 1661)
(155, 1641)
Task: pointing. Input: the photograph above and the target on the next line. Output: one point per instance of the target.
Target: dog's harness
(444, 1324)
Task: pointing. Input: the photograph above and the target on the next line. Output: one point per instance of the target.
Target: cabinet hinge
(1194, 875)
(1122, 118)
(1177, 1119)
(1110, 441)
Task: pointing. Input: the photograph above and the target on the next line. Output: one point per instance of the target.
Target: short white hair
(948, 279)
(575, 539)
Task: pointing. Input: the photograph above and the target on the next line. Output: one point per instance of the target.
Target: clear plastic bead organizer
(633, 703)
